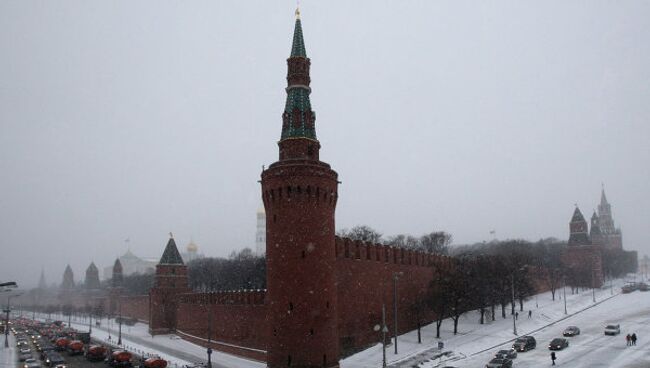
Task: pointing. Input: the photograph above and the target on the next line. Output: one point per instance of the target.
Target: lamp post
(209, 351)
(7, 311)
(564, 292)
(593, 285)
(383, 329)
(396, 276)
(119, 333)
(514, 319)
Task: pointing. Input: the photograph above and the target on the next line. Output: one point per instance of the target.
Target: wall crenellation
(366, 251)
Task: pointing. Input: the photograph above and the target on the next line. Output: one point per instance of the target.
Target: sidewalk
(8, 357)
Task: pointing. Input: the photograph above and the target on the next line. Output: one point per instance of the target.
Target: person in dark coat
(553, 357)
(628, 339)
(633, 339)
(530, 314)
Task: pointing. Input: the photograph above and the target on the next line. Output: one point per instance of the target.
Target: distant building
(191, 252)
(92, 277)
(68, 279)
(132, 264)
(260, 234)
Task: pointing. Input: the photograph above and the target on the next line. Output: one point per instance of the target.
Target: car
(509, 354)
(499, 363)
(571, 331)
(524, 343)
(33, 364)
(643, 286)
(558, 344)
(25, 350)
(613, 330)
(24, 356)
(53, 359)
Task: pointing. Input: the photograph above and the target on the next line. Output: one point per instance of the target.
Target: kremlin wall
(324, 293)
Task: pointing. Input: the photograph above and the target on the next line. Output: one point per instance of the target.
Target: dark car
(571, 331)
(53, 358)
(507, 354)
(499, 363)
(643, 286)
(524, 343)
(558, 344)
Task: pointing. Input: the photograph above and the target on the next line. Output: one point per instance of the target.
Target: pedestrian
(633, 339)
(530, 314)
(553, 357)
(516, 315)
(628, 339)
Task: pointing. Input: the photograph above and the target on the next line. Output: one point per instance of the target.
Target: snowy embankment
(475, 344)
(172, 348)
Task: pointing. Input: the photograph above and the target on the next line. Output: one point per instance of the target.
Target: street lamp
(384, 329)
(7, 315)
(514, 319)
(514, 314)
(564, 291)
(209, 351)
(396, 276)
(119, 333)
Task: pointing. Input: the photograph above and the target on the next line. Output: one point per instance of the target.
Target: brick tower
(171, 280)
(299, 193)
(115, 291)
(578, 229)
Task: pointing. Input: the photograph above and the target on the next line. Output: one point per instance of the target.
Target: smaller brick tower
(92, 277)
(578, 229)
(581, 257)
(68, 279)
(171, 280)
(594, 232)
(300, 193)
(115, 291)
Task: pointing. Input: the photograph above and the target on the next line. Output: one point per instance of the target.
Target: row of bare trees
(436, 242)
(491, 276)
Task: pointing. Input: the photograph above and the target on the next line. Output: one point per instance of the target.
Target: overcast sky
(122, 119)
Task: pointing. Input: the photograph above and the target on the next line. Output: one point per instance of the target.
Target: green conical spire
(298, 47)
(298, 117)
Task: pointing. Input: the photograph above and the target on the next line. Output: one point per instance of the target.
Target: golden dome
(192, 248)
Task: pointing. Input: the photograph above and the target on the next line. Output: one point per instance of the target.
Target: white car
(613, 329)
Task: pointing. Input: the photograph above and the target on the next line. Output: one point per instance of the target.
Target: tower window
(290, 306)
(311, 332)
(289, 361)
(303, 254)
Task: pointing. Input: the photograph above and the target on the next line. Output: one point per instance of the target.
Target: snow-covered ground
(475, 344)
(172, 348)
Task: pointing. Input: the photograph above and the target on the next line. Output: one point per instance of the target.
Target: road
(591, 348)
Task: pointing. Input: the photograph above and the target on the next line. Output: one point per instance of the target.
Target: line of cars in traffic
(503, 358)
(51, 339)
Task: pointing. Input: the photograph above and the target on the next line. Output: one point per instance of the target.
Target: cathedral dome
(192, 247)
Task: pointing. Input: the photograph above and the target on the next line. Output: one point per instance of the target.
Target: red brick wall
(365, 282)
(136, 307)
(239, 324)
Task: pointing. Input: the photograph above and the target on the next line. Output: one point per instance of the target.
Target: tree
(361, 232)
(435, 242)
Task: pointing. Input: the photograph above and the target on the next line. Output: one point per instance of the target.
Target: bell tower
(299, 193)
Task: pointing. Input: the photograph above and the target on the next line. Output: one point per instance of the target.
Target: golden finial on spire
(298, 10)
(171, 235)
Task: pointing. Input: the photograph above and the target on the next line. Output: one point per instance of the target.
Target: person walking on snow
(516, 315)
(633, 339)
(553, 357)
(530, 314)
(628, 339)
